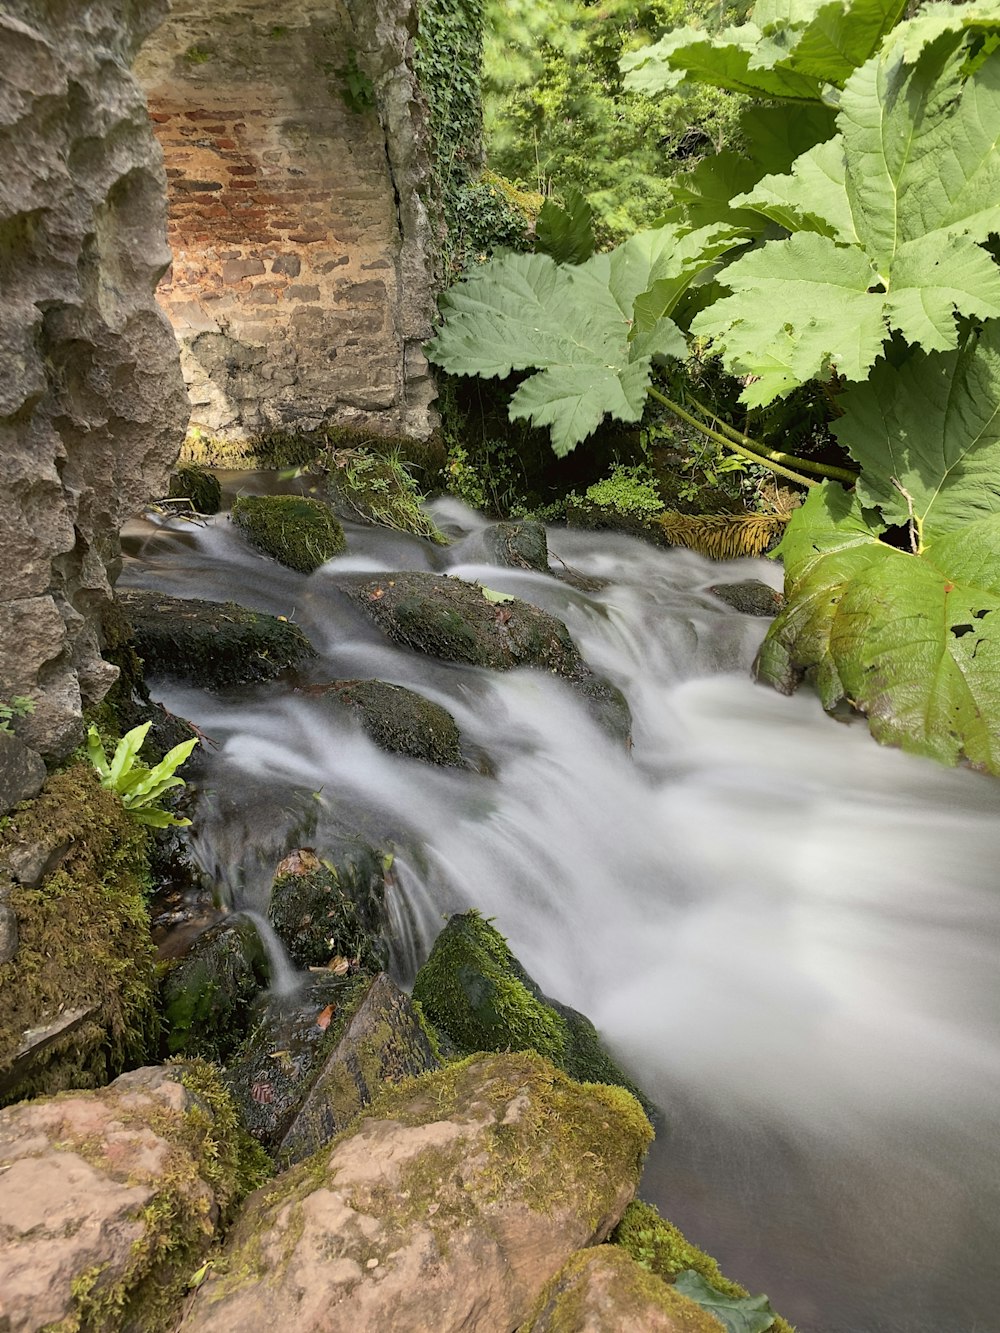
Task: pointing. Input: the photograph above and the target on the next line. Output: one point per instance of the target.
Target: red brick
(242, 171)
(225, 143)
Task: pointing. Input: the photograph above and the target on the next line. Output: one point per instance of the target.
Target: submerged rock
(213, 644)
(316, 1059)
(603, 1290)
(206, 997)
(448, 1208)
(460, 622)
(300, 533)
(399, 720)
(750, 596)
(109, 1200)
(199, 487)
(475, 990)
(334, 907)
(521, 545)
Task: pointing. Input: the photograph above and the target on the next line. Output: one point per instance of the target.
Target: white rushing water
(788, 935)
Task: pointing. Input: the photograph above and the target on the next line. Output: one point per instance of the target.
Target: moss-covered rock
(206, 996)
(448, 1206)
(377, 488)
(316, 1059)
(521, 545)
(77, 869)
(213, 644)
(661, 1248)
(752, 597)
(459, 622)
(334, 907)
(200, 488)
(603, 1290)
(300, 533)
(399, 720)
(110, 1200)
(475, 990)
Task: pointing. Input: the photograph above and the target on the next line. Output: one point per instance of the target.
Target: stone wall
(92, 405)
(302, 283)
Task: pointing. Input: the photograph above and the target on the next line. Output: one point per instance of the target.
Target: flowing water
(788, 935)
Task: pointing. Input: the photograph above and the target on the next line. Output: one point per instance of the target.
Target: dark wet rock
(213, 644)
(331, 908)
(475, 990)
(399, 720)
(521, 545)
(458, 622)
(199, 487)
(300, 533)
(314, 1061)
(447, 1207)
(22, 772)
(604, 1290)
(751, 596)
(206, 996)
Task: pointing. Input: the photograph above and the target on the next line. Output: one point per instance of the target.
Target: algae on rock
(330, 907)
(296, 531)
(198, 487)
(475, 990)
(399, 720)
(78, 870)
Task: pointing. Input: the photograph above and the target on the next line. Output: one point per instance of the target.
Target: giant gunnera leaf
(910, 640)
(588, 332)
(888, 220)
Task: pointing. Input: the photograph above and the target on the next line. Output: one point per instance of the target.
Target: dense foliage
(851, 246)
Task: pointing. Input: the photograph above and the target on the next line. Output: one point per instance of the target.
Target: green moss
(335, 907)
(300, 533)
(198, 487)
(84, 937)
(290, 449)
(476, 991)
(401, 721)
(378, 489)
(628, 491)
(206, 995)
(661, 1248)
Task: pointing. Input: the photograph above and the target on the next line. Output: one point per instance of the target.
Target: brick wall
(286, 290)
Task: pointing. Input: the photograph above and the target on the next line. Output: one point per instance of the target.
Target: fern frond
(723, 536)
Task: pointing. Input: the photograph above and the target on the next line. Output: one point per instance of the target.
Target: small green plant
(629, 491)
(19, 706)
(138, 786)
(357, 89)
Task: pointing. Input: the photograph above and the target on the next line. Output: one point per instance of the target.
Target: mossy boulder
(128, 703)
(197, 486)
(79, 993)
(448, 1206)
(475, 990)
(206, 996)
(109, 1200)
(521, 545)
(399, 720)
(331, 908)
(661, 1248)
(296, 531)
(603, 1290)
(378, 489)
(752, 597)
(213, 644)
(317, 1058)
(461, 622)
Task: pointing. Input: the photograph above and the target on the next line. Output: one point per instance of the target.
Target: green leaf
(96, 752)
(690, 256)
(572, 325)
(933, 425)
(724, 61)
(936, 19)
(158, 819)
(125, 753)
(912, 641)
(566, 233)
(737, 1314)
(491, 596)
(920, 188)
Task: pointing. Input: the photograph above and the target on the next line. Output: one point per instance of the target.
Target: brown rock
(448, 1208)
(604, 1290)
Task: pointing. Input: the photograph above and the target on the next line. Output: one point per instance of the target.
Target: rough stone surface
(448, 618)
(212, 643)
(89, 1185)
(92, 404)
(302, 286)
(751, 596)
(22, 772)
(603, 1290)
(448, 1208)
(521, 545)
(399, 720)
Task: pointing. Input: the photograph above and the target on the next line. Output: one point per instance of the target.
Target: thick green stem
(803, 464)
(706, 430)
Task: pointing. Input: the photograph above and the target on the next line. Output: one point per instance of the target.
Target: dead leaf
(300, 862)
(338, 966)
(323, 1020)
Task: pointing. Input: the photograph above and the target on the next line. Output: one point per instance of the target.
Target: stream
(786, 934)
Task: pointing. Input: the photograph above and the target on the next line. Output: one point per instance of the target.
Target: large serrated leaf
(932, 428)
(724, 60)
(566, 232)
(574, 326)
(919, 188)
(736, 1314)
(912, 641)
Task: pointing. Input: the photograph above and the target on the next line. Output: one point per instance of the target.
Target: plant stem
(732, 445)
(804, 464)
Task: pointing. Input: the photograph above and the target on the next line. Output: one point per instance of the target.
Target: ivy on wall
(449, 56)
